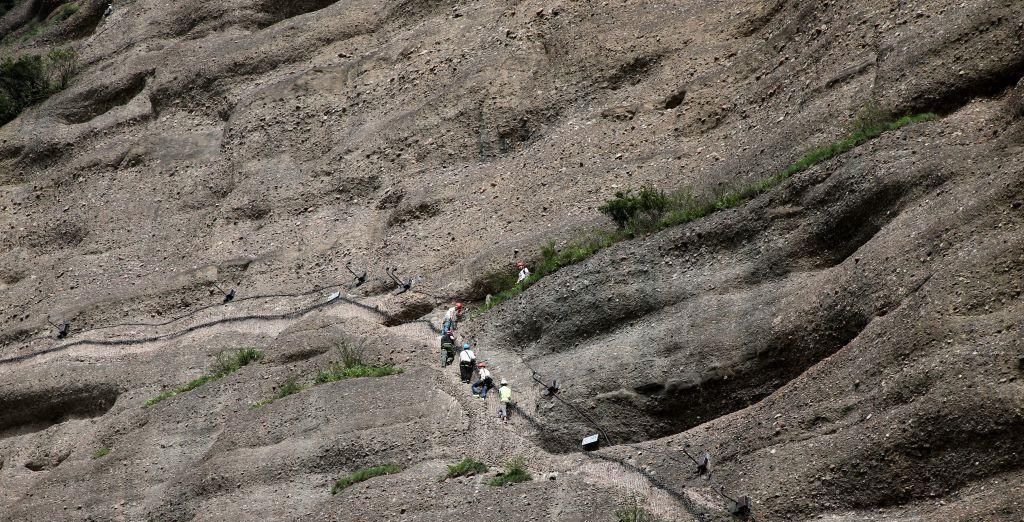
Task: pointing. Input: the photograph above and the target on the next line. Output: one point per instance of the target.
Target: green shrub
(63, 12)
(515, 471)
(63, 64)
(350, 355)
(24, 82)
(364, 474)
(352, 366)
(290, 386)
(102, 452)
(626, 208)
(30, 79)
(225, 364)
(465, 468)
(339, 371)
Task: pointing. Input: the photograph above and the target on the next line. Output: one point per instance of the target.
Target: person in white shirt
(484, 385)
(467, 359)
(451, 318)
(523, 272)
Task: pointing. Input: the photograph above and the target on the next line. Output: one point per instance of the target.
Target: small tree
(24, 79)
(642, 209)
(63, 65)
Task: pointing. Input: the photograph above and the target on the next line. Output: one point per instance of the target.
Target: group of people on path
(452, 347)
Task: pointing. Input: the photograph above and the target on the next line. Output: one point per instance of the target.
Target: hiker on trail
(467, 359)
(484, 385)
(523, 272)
(452, 317)
(447, 348)
(505, 395)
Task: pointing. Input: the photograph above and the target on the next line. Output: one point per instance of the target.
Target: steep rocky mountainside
(846, 346)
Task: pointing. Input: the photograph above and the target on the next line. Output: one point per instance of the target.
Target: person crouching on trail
(484, 385)
(505, 395)
(452, 317)
(447, 349)
(523, 272)
(467, 359)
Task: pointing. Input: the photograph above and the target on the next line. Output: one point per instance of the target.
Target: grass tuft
(102, 452)
(515, 471)
(632, 510)
(364, 474)
(353, 366)
(290, 386)
(467, 467)
(338, 371)
(651, 210)
(350, 367)
(225, 364)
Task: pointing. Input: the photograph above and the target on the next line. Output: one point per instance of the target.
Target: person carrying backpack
(467, 359)
(447, 348)
(484, 385)
(505, 395)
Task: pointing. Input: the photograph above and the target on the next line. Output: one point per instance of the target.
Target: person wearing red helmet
(452, 317)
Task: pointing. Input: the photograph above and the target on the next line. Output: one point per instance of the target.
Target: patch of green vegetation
(290, 386)
(102, 452)
(650, 210)
(552, 260)
(339, 371)
(62, 13)
(515, 471)
(31, 79)
(350, 367)
(225, 364)
(353, 366)
(632, 510)
(467, 467)
(63, 65)
(629, 210)
(364, 474)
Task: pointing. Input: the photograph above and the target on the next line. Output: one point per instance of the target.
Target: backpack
(447, 343)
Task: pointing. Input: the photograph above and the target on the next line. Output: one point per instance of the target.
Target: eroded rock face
(845, 345)
(775, 326)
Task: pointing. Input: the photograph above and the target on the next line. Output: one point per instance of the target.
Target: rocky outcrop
(845, 345)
